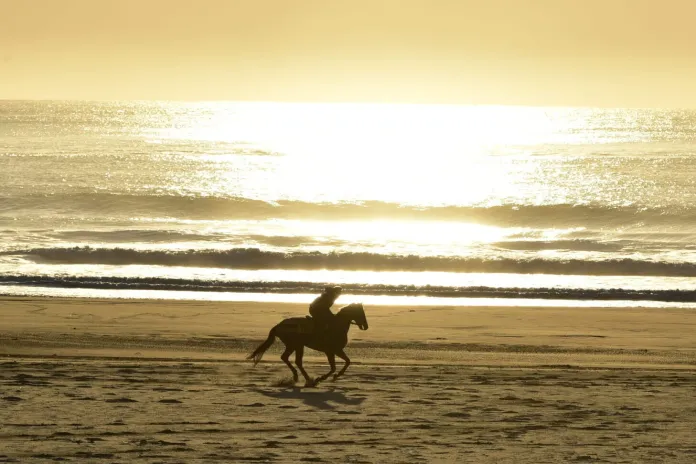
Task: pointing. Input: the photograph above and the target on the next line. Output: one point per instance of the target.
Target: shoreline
(9, 291)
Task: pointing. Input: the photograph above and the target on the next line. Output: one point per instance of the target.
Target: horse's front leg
(343, 356)
(332, 362)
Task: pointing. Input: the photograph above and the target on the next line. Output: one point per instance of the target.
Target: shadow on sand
(313, 398)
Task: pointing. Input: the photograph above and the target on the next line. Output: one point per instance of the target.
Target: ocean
(408, 203)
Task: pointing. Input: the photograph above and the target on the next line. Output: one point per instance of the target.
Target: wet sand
(165, 381)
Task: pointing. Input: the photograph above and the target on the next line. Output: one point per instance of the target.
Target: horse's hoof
(335, 378)
(310, 384)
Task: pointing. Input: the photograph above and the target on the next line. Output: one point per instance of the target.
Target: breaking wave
(219, 208)
(255, 259)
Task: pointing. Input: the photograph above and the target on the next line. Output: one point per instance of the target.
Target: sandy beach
(136, 381)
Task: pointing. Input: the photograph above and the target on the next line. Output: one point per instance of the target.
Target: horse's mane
(351, 306)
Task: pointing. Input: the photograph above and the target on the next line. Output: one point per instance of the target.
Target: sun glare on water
(409, 154)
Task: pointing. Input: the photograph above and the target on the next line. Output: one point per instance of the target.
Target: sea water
(228, 198)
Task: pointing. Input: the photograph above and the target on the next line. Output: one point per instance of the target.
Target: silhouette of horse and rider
(323, 331)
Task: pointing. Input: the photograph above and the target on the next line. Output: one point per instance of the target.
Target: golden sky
(530, 52)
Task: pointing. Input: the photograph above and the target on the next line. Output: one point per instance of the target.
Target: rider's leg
(320, 324)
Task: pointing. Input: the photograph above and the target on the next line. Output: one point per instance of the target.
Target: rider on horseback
(320, 309)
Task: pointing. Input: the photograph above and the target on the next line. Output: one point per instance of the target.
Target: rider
(320, 309)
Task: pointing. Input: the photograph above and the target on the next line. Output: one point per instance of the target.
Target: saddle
(304, 326)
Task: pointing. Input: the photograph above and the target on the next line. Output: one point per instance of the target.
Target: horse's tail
(258, 352)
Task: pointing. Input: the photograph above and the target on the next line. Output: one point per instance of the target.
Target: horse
(298, 332)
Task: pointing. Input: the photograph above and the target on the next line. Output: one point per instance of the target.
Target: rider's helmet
(334, 290)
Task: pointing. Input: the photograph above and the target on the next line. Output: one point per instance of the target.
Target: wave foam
(135, 283)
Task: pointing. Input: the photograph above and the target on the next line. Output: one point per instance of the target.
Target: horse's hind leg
(286, 359)
(332, 362)
(299, 353)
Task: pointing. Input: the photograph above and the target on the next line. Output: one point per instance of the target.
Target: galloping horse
(298, 332)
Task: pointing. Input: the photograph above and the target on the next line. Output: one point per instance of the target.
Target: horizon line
(345, 102)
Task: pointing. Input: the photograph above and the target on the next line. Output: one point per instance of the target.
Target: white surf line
(385, 300)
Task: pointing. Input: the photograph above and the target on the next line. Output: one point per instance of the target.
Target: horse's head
(356, 314)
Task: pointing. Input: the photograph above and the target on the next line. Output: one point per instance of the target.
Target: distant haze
(535, 52)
